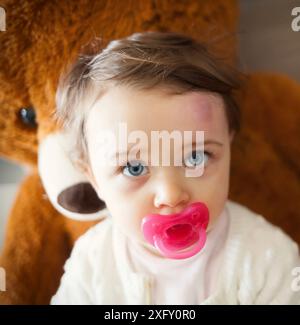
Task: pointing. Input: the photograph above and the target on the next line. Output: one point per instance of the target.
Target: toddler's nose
(170, 193)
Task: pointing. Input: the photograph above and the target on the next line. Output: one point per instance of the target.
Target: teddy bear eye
(28, 117)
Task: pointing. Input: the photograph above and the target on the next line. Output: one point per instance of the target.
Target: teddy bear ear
(68, 189)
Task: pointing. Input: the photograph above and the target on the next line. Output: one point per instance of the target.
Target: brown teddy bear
(56, 204)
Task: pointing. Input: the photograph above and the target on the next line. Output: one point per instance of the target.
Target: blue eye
(134, 169)
(196, 158)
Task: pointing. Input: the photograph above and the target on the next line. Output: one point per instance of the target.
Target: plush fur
(44, 36)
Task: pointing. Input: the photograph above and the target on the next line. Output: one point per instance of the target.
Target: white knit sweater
(256, 267)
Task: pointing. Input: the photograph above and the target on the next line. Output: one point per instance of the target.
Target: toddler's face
(134, 191)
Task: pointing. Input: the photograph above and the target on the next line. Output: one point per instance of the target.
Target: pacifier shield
(180, 235)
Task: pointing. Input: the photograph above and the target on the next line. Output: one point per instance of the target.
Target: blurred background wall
(267, 41)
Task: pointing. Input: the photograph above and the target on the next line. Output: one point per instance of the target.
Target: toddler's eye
(196, 158)
(134, 169)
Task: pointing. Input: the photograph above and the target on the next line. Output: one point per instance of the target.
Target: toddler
(170, 235)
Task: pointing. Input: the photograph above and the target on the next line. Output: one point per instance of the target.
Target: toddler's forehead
(141, 120)
(198, 108)
(189, 111)
(157, 110)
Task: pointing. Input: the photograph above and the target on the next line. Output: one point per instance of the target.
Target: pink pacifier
(180, 235)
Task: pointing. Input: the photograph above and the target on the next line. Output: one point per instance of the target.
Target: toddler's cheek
(212, 222)
(130, 226)
(215, 211)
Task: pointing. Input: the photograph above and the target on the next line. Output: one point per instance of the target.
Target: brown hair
(142, 60)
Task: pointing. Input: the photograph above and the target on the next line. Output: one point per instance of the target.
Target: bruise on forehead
(206, 110)
(201, 106)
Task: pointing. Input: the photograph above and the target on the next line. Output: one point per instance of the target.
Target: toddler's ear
(232, 135)
(89, 174)
(91, 178)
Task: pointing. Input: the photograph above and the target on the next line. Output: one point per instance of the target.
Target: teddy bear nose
(28, 117)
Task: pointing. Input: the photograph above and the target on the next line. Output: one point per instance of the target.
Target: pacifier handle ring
(173, 254)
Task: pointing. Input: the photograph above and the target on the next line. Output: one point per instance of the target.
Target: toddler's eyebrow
(212, 142)
(120, 153)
